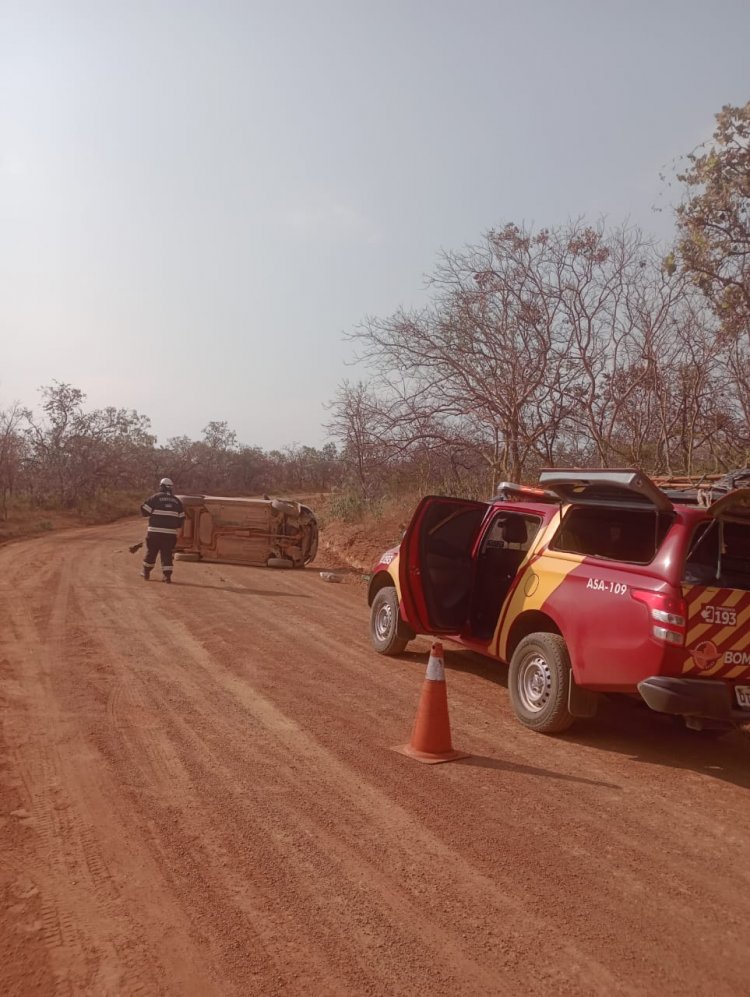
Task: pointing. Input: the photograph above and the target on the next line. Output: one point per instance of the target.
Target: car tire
(384, 623)
(187, 555)
(539, 683)
(287, 508)
(280, 562)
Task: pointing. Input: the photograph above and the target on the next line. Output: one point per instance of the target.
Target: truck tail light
(668, 615)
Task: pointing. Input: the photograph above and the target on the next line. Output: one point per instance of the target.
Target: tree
(714, 220)
(218, 436)
(535, 344)
(11, 452)
(73, 453)
(357, 426)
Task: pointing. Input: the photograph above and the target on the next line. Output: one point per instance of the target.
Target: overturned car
(277, 533)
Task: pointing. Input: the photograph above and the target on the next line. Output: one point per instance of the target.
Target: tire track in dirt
(210, 762)
(92, 948)
(62, 816)
(410, 921)
(202, 695)
(194, 772)
(635, 923)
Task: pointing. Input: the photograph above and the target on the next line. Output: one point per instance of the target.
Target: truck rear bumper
(702, 698)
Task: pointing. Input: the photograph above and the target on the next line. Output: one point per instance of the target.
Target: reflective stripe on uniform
(167, 512)
(159, 529)
(148, 508)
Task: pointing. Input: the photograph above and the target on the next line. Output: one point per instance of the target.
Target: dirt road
(197, 797)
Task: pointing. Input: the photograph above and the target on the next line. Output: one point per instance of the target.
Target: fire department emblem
(705, 654)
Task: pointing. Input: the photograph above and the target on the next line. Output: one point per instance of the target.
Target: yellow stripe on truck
(538, 580)
(393, 572)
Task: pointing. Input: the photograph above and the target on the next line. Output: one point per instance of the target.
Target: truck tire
(384, 623)
(539, 681)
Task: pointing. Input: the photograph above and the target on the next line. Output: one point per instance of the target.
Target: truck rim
(535, 683)
(383, 621)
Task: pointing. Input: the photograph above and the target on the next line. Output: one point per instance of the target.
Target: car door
(437, 564)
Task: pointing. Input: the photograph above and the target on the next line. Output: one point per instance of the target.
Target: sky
(198, 200)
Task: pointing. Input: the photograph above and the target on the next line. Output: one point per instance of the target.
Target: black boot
(146, 574)
(168, 579)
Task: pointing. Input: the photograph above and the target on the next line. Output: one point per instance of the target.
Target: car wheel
(539, 683)
(187, 555)
(384, 623)
(279, 562)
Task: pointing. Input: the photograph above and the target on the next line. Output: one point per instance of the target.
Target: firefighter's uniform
(165, 517)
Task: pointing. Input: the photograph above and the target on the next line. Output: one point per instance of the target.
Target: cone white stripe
(435, 669)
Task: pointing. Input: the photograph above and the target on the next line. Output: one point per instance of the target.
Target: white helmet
(166, 484)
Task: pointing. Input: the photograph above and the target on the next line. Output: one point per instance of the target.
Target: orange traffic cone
(431, 737)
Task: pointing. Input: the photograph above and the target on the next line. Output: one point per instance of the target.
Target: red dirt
(357, 546)
(198, 796)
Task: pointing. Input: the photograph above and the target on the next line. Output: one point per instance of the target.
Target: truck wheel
(539, 681)
(384, 623)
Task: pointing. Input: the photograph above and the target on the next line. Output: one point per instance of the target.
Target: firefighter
(165, 517)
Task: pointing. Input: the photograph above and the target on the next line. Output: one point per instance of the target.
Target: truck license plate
(742, 692)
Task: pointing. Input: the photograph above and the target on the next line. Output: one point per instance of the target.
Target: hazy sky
(197, 199)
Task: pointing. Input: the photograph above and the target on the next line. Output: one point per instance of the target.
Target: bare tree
(574, 344)
(11, 452)
(522, 351)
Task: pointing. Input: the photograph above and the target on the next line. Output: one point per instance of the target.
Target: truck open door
(436, 566)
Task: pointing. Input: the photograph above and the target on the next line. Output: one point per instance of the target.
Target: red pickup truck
(597, 581)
